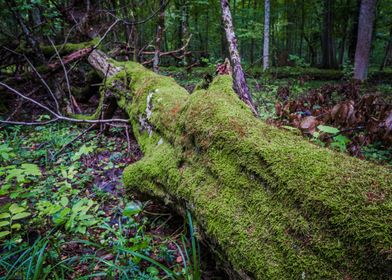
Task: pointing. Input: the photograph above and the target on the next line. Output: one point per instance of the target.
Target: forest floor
(64, 213)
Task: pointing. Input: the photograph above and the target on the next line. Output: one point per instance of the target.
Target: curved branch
(56, 115)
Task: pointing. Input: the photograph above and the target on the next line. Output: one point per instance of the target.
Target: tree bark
(364, 42)
(327, 39)
(274, 205)
(266, 35)
(159, 36)
(240, 84)
(252, 41)
(388, 52)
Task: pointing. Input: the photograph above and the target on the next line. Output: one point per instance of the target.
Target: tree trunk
(301, 40)
(274, 205)
(125, 15)
(252, 41)
(184, 12)
(159, 36)
(388, 52)
(327, 40)
(364, 42)
(266, 35)
(240, 84)
(354, 31)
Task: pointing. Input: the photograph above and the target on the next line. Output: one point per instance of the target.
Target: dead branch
(57, 116)
(173, 53)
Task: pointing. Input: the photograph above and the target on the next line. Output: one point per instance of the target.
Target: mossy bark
(277, 206)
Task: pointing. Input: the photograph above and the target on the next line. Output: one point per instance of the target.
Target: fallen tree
(274, 205)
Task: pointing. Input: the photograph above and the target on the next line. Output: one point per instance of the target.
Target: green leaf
(31, 169)
(152, 270)
(15, 209)
(20, 216)
(132, 208)
(4, 233)
(4, 215)
(64, 201)
(328, 129)
(61, 216)
(16, 226)
(4, 223)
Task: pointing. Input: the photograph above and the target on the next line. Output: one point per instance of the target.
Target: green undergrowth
(278, 206)
(64, 213)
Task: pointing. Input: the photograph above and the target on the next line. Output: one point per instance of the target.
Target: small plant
(339, 141)
(298, 61)
(8, 218)
(348, 70)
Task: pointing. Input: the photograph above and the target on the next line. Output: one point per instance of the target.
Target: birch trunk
(240, 84)
(159, 36)
(266, 35)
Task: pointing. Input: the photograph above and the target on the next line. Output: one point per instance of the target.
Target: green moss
(68, 47)
(277, 205)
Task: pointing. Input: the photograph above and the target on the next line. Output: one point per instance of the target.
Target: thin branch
(39, 76)
(141, 21)
(58, 116)
(29, 123)
(65, 74)
(106, 33)
(74, 139)
(128, 139)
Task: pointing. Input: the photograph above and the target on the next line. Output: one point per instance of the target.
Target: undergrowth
(64, 213)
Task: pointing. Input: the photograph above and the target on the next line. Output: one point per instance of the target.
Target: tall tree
(327, 39)
(364, 41)
(354, 30)
(159, 36)
(266, 34)
(388, 51)
(239, 81)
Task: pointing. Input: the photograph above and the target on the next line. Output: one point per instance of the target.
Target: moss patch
(277, 205)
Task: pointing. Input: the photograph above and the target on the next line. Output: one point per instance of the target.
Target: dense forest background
(315, 33)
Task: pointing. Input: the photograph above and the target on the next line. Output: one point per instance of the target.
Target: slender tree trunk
(159, 36)
(134, 35)
(30, 38)
(207, 32)
(364, 42)
(388, 52)
(252, 41)
(125, 14)
(327, 39)
(185, 29)
(301, 40)
(354, 31)
(266, 34)
(239, 81)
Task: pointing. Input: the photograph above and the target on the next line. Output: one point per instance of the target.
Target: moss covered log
(277, 206)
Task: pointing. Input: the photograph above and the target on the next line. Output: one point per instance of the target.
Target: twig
(128, 140)
(56, 115)
(106, 33)
(73, 140)
(39, 76)
(29, 123)
(345, 130)
(65, 73)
